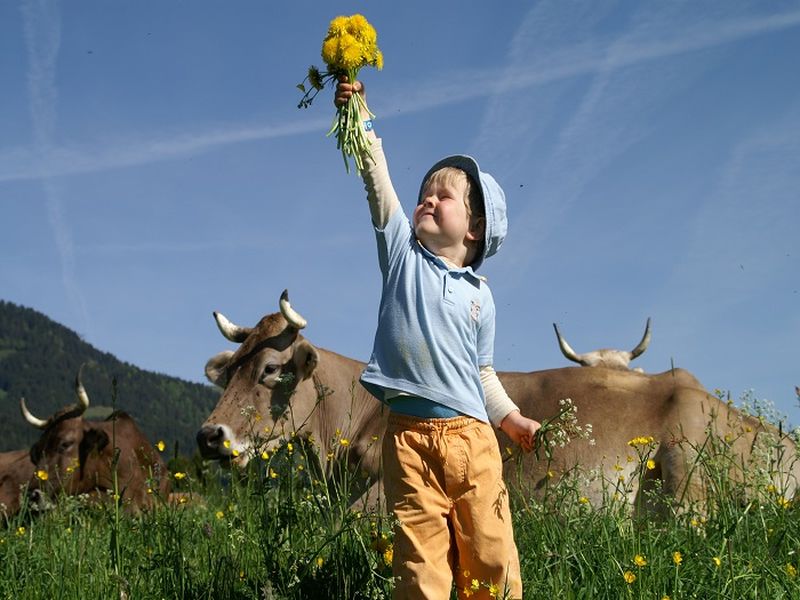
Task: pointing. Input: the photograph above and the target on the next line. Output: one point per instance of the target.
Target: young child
(432, 364)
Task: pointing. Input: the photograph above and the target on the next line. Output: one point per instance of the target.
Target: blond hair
(473, 199)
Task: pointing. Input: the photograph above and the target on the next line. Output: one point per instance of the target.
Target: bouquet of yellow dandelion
(351, 44)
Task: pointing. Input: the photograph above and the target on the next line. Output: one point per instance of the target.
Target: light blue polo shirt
(435, 325)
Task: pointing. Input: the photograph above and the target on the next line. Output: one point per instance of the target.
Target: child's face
(441, 219)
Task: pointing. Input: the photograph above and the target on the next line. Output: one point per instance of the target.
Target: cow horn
(644, 343)
(231, 331)
(35, 421)
(80, 392)
(566, 350)
(290, 314)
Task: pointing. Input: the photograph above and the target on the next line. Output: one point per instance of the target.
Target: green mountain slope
(39, 359)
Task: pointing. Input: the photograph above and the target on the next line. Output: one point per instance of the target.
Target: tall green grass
(278, 529)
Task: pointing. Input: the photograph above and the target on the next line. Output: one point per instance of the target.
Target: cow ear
(93, 439)
(217, 368)
(305, 359)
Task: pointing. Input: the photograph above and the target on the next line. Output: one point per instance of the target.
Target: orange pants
(443, 480)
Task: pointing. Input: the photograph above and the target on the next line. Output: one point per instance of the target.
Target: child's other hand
(520, 429)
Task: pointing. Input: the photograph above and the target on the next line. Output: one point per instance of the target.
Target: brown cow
(605, 357)
(16, 471)
(277, 383)
(78, 455)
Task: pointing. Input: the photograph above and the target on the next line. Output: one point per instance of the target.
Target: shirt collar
(444, 263)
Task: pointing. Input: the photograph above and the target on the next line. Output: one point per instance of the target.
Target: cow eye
(269, 369)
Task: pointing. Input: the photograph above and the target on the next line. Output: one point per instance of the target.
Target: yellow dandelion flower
(70, 469)
(651, 464)
(273, 474)
(618, 467)
(299, 467)
(783, 502)
(338, 26)
(791, 570)
(467, 592)
(677, 557)
(180, 475)
(149, 490)
(639, 560)
(629, 577)
(183, 500)
(665, 597)
(344, 442)
(621, 478)
(493, 590)
(41, 475)
(583, 500)
(550, 474)
(320, 560)
(388, 555)
(475, 585)
(20, 531)
(161, 445)
(716, 560)
(234, 453)
(290, 447)
(264, 455)
(219, 514)
(227, 444)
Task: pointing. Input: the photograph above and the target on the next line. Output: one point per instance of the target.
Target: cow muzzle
(215, 442)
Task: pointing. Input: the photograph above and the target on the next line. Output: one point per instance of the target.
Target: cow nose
(210, 439)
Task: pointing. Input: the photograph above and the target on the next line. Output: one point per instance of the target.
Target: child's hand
(345, 91)
(520, 429)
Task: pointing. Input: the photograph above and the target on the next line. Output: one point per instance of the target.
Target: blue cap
(494, 201)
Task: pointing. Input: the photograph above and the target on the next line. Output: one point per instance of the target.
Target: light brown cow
(16, 471)
(605, 357)
(77, 455)
(277, 383)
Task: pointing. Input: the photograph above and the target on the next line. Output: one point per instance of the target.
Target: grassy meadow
(276, 530)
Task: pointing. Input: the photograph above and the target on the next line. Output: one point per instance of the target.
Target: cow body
(277, 384)
(16, 471)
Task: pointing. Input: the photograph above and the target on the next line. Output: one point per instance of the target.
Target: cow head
(267, 389)
(608, 358)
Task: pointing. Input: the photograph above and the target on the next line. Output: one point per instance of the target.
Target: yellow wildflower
(677, 558)
(651, 464)
(219, 514)
(629, 577)
(289, 447)
(639, 560)
(344, 442)
(320, 560)
(493, 590)
(180, 475)
(467, 592)
(273, 474)
(388, 555)
(791, 571)
(226, 443)
(264, 455)
(583, 500)
(161, 445)
(716, 560)
(41, 475)
(20, 531)
(475, 585)
(234, 453)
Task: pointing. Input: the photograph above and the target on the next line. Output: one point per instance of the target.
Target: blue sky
(154, 168)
